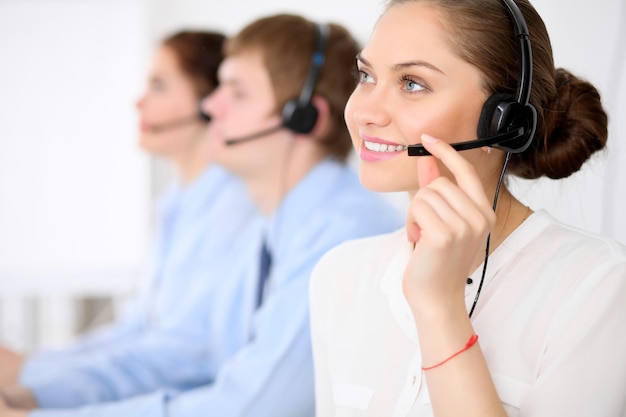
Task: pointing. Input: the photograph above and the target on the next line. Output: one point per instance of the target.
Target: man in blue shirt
(277, 125)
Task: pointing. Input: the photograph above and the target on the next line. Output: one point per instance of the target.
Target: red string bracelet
(473, 339)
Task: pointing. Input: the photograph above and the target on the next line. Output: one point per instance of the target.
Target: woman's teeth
(381, 147)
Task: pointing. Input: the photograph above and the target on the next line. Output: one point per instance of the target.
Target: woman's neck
(186, 174)
(510, 214)
(190, 165)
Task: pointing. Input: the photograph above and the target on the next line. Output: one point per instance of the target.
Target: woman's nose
(140, 102)
(369, 108)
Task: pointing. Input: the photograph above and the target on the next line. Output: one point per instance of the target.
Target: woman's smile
(375, 149)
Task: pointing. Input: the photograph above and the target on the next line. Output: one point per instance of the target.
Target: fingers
(443, 197)
(464, 173)
(447, 214)
(413, 231)
(443, 212)
(461, 209)
(427, 170)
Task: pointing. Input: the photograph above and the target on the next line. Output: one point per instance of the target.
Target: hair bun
(575, 126)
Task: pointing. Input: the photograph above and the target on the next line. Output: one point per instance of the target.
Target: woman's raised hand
(448, 222)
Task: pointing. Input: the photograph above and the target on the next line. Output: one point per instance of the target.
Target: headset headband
(317, 61)
(525, 54)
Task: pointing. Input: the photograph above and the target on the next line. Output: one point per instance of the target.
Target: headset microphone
(235, 141)
(507, 121)
(419, 150)
(184, 121)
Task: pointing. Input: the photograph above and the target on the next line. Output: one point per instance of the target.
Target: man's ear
(323, 116)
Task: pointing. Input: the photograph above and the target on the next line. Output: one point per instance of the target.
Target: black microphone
(242, 139)
(419, 150)
(184, 121)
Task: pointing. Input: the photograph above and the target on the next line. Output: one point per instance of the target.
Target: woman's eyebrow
(403, 65)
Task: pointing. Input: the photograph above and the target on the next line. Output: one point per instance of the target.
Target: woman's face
(168, 109)
(410, 82)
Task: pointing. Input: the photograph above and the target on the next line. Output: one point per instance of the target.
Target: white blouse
(551, 319)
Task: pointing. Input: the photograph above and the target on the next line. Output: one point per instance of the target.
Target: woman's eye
(238, 94)
(412, 86)
(158, 86)
(364, 77)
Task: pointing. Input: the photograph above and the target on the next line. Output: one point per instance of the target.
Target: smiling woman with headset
(396, 319)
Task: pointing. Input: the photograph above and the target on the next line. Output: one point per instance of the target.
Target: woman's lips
(375, 149)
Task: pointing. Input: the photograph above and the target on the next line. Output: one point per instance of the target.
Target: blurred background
(76, 193)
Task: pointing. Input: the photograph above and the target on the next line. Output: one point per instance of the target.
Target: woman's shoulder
(547, 250)
(364, 250)
(574, 240)
(352, 259)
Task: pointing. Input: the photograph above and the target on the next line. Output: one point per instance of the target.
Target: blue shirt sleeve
(166, 340)
(45, 364)
(271, 377)
(153, 405)
(156, 359)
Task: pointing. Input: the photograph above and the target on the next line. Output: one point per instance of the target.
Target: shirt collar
(188, 200)
(302, 201)
(508, 250)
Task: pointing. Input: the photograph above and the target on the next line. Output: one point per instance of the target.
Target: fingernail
(428, 138)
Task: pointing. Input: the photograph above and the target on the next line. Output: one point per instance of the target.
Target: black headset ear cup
(492, 117)
(524, 117)
(299, 118)
(501, 113)
(300, 115)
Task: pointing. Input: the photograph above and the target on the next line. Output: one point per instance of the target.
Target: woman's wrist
(436, 308)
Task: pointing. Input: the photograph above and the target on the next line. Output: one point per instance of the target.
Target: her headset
(503, 114)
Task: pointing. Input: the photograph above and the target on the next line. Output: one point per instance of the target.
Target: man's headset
(299, 114)
(507, 121)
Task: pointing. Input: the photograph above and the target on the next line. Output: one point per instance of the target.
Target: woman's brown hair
(572, 123)
(199, 55)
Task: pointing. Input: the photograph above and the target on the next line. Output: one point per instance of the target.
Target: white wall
(230, 16)
(74, 189)
(72, 182)
(588, 39)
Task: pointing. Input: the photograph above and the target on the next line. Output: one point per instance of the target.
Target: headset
(200, 116)
(299, 114)
(507, 121)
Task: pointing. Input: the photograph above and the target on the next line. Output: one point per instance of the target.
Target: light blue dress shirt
(172, 334)
(272, 374)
